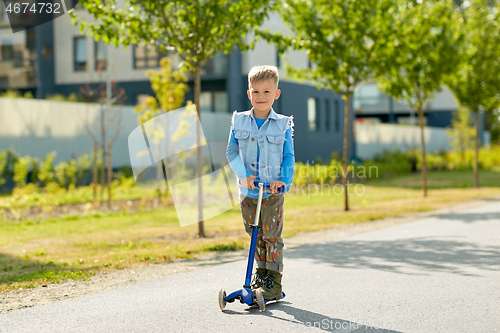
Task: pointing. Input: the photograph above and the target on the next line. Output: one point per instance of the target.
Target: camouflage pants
(269, 251)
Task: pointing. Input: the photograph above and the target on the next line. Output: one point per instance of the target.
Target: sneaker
(258, 278)
(272, 285)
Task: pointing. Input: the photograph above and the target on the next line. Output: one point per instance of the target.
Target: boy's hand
(275, 185)
(248, 182)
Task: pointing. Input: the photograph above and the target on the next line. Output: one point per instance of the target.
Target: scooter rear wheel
(260, 299)
(222, 299)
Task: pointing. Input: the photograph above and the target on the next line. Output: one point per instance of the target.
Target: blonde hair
(263, 73)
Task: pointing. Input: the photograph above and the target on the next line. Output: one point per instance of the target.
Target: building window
(216, 65)
(220, 102)
(80, 53)
(17, 60)
(214, 101)
(327, 115)
(3, 14)
(312, 114)
(206, 101)
(146, 56)
(100, 55)
(337, 116)
(140, 98)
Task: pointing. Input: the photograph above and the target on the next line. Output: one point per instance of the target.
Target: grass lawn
(48, 251)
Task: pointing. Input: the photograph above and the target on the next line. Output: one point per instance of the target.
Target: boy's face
(262, 95)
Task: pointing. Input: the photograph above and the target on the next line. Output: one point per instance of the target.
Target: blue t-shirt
(286, 167)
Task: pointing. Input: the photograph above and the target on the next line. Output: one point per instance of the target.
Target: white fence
(37, 127)
(374, 138)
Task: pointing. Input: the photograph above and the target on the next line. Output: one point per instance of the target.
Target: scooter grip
(268, 185)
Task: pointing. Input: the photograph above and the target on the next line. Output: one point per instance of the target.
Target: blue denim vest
(269, 138)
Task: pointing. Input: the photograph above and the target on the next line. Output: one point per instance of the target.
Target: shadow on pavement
(303, 320)
(417, 254)
(468, 217)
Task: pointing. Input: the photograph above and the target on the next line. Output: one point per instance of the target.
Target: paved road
(438, 274)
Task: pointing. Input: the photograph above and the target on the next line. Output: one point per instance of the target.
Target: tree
(106, 94)
(342, 40)
(475, 82)
(196, 30)
(461, 133)
(494, 122)
(423, 51)
(169, 88)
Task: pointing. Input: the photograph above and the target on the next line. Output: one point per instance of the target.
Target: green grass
(441, 180)
(51, 250)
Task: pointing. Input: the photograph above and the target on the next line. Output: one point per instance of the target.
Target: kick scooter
(245, 295)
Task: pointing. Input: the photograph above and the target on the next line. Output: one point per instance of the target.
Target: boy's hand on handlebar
(248, 182)
(275, 185)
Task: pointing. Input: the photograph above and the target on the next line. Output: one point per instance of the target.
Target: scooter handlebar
(268, 186)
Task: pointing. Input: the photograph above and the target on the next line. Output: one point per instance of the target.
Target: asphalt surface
(438, 274)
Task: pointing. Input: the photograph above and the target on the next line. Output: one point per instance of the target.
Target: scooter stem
(253, 242)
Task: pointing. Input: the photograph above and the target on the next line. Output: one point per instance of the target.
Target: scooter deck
(246, 296)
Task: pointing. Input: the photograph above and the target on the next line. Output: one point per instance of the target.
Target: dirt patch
(36, 213)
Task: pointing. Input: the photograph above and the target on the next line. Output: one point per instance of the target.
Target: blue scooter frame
(245, 295)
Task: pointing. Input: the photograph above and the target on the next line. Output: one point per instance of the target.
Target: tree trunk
(197, 90)
(103, 148)
(476, 151)
(422, 139)
(110, 171)
(159, 176)
(345, 172)
(94, 173)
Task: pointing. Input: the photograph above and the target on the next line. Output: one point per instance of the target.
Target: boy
(260, 148)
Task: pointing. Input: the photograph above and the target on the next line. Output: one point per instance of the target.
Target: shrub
(35, 170)
(3, 167)
(391, 163)
(26, 189)
(46, 173)
(16, 94)
(60, 172)
(70, 173)
(21, 169)
(12, 158)
(82, 168)
(53, 188)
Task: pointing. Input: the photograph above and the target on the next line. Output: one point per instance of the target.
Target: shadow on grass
(304, 319)
(18, 272)
(417, 256)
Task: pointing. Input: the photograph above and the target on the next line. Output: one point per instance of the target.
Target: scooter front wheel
(260, 299)
(222, 299)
